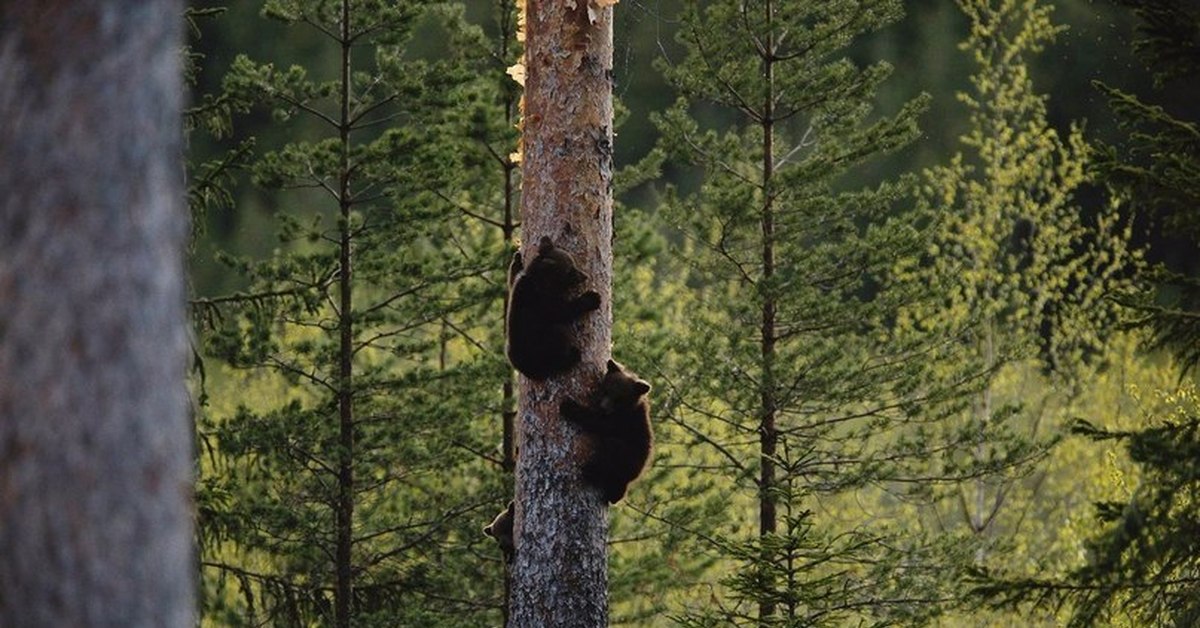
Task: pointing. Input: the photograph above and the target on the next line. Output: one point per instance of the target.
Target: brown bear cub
(617, 423)
(501, 529)
(541, 310)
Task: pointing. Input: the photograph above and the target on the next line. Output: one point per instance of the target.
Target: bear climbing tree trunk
(560, 575)
(95, 443)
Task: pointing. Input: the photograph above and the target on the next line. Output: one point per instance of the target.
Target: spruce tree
(1145, 560)
(1154, 165)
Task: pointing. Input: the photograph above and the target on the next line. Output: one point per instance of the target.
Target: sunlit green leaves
(1025, 277)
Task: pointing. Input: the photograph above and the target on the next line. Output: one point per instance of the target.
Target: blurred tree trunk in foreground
(95, 515)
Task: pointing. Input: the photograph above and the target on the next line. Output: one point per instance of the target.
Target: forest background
(933, 463)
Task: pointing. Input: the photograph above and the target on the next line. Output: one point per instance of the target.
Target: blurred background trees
(1142, 550)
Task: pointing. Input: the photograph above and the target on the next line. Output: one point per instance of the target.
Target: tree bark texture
(768, 431)
(95, 441)
(560, 576)
(343, 591)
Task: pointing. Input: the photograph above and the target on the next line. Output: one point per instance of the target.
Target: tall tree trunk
(560, 577)
(508, 402)
(343, 557)
(95, 441)
(508, 227)
(508, 411)
(768, 433)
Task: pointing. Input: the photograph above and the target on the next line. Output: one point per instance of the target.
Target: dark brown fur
(617, 423)
(541, 311)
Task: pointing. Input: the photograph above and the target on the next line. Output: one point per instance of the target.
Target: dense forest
(911, 289)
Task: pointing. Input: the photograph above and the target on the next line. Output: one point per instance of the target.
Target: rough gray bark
(95, 442)
(560, 576)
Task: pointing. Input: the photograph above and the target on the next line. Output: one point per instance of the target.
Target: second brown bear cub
(541, 311)
(616, 422)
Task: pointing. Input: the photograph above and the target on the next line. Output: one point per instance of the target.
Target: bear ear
(613, 366)
(641, 387)
(545, 244)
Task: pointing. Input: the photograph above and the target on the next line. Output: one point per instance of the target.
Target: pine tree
(792, 386)
(1154, 168)
(339, 495)
(95, 477)
(560, 574)
(1147, 558)
(483, 132)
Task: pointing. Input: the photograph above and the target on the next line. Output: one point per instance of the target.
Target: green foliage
(1024, 278)
(1147, 559)
(1168, 41)
(658, 558)
(377, 318)
(1024, 266)
(792, 387)
(1141, 565)
(1156, 169)
(1144, 564)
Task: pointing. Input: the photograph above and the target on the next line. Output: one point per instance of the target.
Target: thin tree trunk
(508, 226)
(768, 433)
(344, 568)
(508, 402)
(560, 576)
(95, 441)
